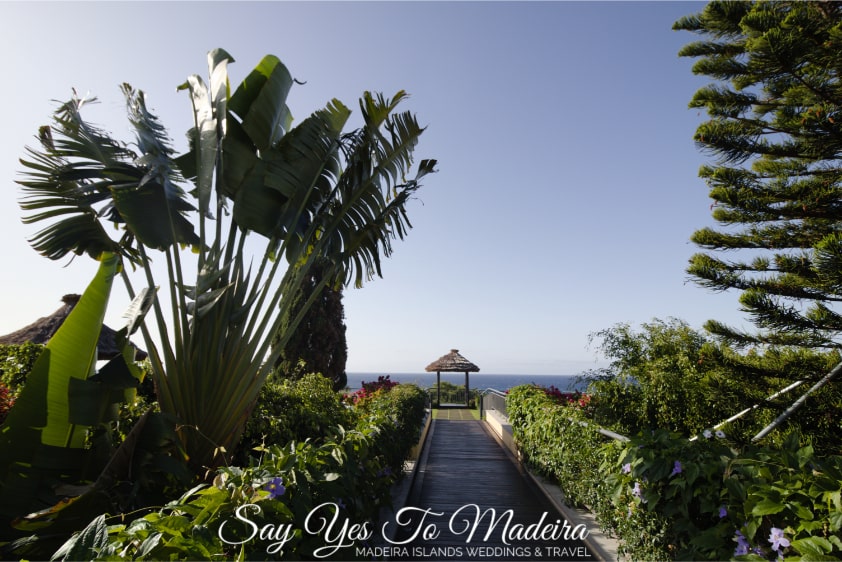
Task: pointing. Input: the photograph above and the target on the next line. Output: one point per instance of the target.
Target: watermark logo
(478, 531)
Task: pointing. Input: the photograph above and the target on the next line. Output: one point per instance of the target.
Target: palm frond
(157, 194)
(68, 180)
(369, 210)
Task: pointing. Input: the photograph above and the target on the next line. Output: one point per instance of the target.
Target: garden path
(464, 471)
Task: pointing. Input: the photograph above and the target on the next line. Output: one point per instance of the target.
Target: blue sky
(567, 187)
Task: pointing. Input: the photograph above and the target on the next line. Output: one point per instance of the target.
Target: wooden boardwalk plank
(468, 477)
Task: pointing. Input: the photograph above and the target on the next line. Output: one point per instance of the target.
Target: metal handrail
(788, 412)
(737, 416)
(603, 431)
(798, 403)
(765, 431)
(497, 395)
(453, 396)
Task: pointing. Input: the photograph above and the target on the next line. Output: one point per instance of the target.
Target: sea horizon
(497, 381)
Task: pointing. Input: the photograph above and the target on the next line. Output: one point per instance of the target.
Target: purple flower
(627, 468)
(707, 434)
(275, 487)
(720, 434)
(722, 511)
(742, 544)
(340, 504)
(676, 469)
(638, 492)
(778, 540)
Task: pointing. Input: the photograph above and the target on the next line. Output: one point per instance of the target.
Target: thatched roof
(43, 329)
(452, 363)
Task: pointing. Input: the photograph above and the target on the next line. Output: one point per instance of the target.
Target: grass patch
(455, 414)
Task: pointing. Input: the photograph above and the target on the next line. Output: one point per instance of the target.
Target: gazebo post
(438, 388)
(467, 389)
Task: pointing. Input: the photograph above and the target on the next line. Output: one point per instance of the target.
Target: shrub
(667, 497)
(668, 376)
(718, 503)
(555, 443)
(659, 376)
(16, 362)
(345, 473)
(397, 411)
(293, 410)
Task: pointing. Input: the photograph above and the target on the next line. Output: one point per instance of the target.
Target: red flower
(6, 401)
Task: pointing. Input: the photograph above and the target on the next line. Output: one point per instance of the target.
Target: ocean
(479, 381)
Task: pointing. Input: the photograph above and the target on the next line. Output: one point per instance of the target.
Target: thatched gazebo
(43, 329)
(451, 363)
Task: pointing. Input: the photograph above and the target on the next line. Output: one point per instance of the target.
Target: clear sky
(567, 187)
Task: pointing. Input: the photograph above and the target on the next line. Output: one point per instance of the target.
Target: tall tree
(304, 192)
(775, 132)
(318, 345)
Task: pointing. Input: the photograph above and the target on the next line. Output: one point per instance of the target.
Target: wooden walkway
(466, 479)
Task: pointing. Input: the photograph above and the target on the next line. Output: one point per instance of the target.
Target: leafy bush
(718, 503)
(790, 493)
(666, 375)
(16, 362)
(203, 524)
(555, 442)
(667, 497)
(750, 383)
(346, 475)
(658, 377)
(397, 411)
(293, 410)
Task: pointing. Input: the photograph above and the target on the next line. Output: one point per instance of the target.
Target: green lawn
(455, 414)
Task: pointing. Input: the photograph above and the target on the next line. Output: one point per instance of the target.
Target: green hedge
(293, 410)
(555, 445)
(397, 413)
(208, 521)
(348, 472)
(668, 498)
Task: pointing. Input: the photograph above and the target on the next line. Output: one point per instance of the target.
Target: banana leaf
(40, 445)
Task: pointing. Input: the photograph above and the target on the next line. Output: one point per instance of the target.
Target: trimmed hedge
(346, 475)
(398, 413)
(668, 498)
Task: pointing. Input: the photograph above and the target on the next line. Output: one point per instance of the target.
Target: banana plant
(296, 193)
(43, 441)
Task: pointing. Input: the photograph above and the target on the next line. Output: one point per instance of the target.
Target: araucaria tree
(775, 132)
(307, 192)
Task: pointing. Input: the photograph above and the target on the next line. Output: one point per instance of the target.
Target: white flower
(720, 434)
(707, 434)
